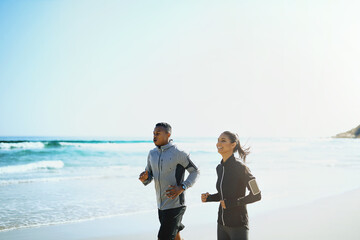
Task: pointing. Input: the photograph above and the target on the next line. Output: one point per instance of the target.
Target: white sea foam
(133, 147)
(32, 167)
(92, 173)
(91, 145)
(50, 179)
(112, 146)
(21, 145)
(77, 220)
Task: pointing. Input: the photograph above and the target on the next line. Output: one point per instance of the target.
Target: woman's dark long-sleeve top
(233, 179)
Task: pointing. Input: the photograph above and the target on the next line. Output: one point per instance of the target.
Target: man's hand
(144, 176)
(204, 196)
(174, 191)
(222, 202)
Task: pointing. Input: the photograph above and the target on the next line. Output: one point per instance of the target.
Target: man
(166, 164)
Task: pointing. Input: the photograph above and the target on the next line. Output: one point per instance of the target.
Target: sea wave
(93, 173)
(32, 167)
(22, 145)
(8, 145)
(80, 220)
(50, 179)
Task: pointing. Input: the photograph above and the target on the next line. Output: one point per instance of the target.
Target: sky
(116, 68)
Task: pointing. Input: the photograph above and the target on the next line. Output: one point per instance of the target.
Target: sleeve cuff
(210, 198)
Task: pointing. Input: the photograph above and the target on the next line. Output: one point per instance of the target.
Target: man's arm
(193, 172)
(147, 176)
(184, 160)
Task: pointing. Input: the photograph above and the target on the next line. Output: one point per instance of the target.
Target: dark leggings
(232, 233)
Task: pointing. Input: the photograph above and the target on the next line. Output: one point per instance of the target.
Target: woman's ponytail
(243, 152)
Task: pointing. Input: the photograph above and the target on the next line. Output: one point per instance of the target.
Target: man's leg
(170, 223)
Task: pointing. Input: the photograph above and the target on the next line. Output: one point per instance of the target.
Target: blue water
(53, 180)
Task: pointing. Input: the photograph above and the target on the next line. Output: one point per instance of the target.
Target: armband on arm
(254, 189)
(253, 196)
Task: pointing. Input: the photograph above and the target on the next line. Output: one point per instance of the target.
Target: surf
(41, 165)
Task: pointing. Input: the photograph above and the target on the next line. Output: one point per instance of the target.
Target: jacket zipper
(222, 195)
(159, 175)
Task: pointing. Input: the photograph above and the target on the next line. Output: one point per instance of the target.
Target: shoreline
(334, 217)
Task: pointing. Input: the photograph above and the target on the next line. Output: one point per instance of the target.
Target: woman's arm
(206, 197)
(213, 198)
(254, 191)
(253, 196)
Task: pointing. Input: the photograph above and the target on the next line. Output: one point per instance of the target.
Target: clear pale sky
(115, 68)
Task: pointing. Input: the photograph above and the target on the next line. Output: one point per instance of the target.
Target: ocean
(45, 181)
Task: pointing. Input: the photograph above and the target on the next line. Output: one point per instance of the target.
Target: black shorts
(170, 221)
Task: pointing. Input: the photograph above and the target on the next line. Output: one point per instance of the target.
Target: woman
(233, 179)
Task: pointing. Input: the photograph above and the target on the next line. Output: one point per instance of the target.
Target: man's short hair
(165, 125)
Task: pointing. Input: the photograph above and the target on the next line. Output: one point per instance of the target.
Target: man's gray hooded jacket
(166, 165)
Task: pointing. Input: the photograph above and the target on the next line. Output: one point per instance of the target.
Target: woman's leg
(221, 233)
(238, 233)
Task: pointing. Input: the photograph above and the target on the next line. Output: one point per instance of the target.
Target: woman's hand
(204, 197)
(222, 202)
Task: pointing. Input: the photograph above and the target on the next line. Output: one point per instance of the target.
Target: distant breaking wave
(59, 143)
(32, 167)
(23, 145)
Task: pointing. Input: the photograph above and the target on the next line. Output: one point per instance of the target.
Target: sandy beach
(334, 217)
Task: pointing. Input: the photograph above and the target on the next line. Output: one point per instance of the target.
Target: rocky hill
(353, 133)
